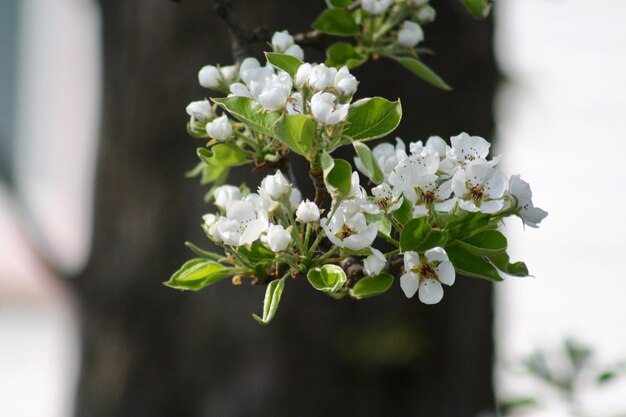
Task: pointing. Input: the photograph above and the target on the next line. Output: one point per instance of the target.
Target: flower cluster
(410, 32)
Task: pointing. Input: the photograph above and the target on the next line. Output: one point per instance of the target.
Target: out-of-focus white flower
(283, 43)
(410, 34)
(210, 227)
(276, 91)
(419, 3)
(230, 74)
(376, 7)
(201, 111)
(220, 128)
(247, 65)
(295, 104)
(345, 83)
(325, 109)
(347, 229)
(209, 76)
(302, 75)
(244, 222)
(226, 194)
(239, 90)
(426, 14)
(275, 186)
(479, 187)
(278, 238)
(387, 198)
(529, 214)
(322, 77)
(427, 272)
(374, 263)
(308, 212)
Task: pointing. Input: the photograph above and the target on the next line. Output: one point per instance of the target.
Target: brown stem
(241, 36)
(317, 177)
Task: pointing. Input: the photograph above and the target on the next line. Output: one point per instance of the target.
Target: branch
(241, 36)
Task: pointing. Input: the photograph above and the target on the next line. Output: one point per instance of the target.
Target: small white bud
(326, 111)
(322, 77)
(345, 82)
(426, 14)
(200, 110)
(226, 194)
(281, 41)
(410, 34)
(302, 75)
(275, 186)
(376, 7)
(308, 212)
(210, 77)
(220, 128)
(278, 238)
(374, 263)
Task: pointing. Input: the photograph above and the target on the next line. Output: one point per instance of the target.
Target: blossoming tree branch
(419, 212)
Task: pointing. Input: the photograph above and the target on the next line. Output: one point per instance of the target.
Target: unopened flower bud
(220, 128)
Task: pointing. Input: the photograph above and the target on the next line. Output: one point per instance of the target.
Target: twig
(241, 36)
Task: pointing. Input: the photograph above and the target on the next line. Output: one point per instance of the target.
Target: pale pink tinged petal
(436, 254)
(490, 207)
(409, 283)
(445, 273)
(430, 291)
(411, 259)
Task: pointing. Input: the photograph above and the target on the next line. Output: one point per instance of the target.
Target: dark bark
(151, 351)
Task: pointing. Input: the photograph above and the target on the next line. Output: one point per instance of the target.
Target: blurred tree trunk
(151, 351)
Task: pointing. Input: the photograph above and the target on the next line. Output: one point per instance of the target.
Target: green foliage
(417, 235)
(471, 265)
(197, 274)
(478, 8)
(342, 53)
(369, 163)
(372, 118)
(420, 69)
(329, 278)
(250, 112)
(272, 299)
(287, 63)
(372, 286)
(487, 243)
(337, 174)
(223, 155)
(297, 132)
(336, 22)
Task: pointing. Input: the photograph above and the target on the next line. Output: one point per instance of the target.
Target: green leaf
(257, 253)
(417, 235)
(421, 70)
(369, 163)
(297, 132)
(223, 155)
(287, 63)
(468, 225)
(339, 3)
(337, 174)
(201, 252)
(384, 224)
(372, 286)
(405, 213)
(372, 118)
(336, 22)
(272, 299)
(487, 243)
(342, 53)
(250, 112)
(197, 274)
(478, 8)
(471, 265)
(329, 278)
(516, 269)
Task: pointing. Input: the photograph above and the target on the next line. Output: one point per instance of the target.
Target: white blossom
(239, 90)
(275, 186)
(209, 225)
(226, 194)
(426, 14)
(308, 212)
(244, 222)
(345, 83)
(374, 263)
(427, 272)
(295, 198)
(322, 77)
(230, 73)
(295, 104)
(479, 187)
(347, 229)
(469, 149)
(220, 128)
(302, 75)
(410, 34)
(376, 7)
(201, 111)
(295, 51)
(209, 76)
(325, 109)
(530, 215)
(275, 91)
(387, 157)
(278, 238)
(387, 198)
(246, 66)
(283, 43)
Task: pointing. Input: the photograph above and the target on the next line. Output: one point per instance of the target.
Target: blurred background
(94, 210)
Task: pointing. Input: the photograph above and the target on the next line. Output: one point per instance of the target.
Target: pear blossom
(246, 66)
(347, 229)
(302, 75)
(230, 73)
(427, 272)
(426, 14)
(435, 145)
(375, 263)
(345, 83)
(220, 128)
(209, 76)
(420, 3)
(276, 91)
(468, 149)
(325, 109)
(200, 111)
(275, 186)
(356, 199)
(479, 187)
(387, 198)
(295, 104)
(283, 42)
(386, 156)
(209, 225)
(308, 212)
(530, 215)
(321, 77)
(244, 222)
(226, 194)
(239, 90)
(295, 198)
(376, 7)
(277, 238)
(410, 34)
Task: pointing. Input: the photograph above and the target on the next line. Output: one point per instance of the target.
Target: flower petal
(445, 273)
(409, 284)
(430, 291)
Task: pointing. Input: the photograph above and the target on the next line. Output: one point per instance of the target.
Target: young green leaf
(287, 63)
(421, 70)
(405, 213)
(223, 155)
(336, 22)
(339, 3)
(297, 132)
(369, 163)
(478, 8)
(337, 174)
(486, 243)
(272, 299)
(329, 278)
(516, 269)
(471, 265)
(417, 235)
(342, 53)
(250, 112)
(372, 286)
(372, 118)
(197, 274)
